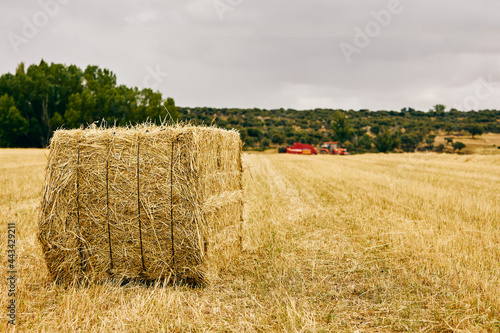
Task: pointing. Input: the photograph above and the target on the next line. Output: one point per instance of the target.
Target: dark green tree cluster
(37, 100)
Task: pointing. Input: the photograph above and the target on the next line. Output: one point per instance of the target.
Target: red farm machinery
(302, 149)
(332, 148)
(328, 148)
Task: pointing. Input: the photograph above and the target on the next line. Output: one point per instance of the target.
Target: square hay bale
(147, 202)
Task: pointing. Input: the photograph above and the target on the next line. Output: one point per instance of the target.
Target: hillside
(360, 131)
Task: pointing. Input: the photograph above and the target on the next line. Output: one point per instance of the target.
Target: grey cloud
(276, 53)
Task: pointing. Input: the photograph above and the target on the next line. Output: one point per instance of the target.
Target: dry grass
(483, 144)
(369, 243)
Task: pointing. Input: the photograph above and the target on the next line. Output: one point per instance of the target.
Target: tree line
(358, 131)
(36, 101)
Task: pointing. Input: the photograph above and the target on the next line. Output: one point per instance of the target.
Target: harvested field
(369, 243)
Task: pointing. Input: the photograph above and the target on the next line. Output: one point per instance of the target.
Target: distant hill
(359, 131)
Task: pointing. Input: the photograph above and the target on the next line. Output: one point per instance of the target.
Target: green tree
(278, 139)
(475, 129)
(243, 134)
(375, 130)
(265, 143)
(340, 127)
(255, 132)
(386, 141)
(249, 141)
(13, 126)
(439, 108)
(439, 148)
(56, 121)
(409, 141)
(458, 145)
(365, 142)
(81, 109)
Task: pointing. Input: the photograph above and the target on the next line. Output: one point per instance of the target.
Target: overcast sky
(351, 54)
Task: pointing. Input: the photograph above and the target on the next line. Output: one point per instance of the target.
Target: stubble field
(368, 243)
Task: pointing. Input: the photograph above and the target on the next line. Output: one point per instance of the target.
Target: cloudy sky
(374, 54)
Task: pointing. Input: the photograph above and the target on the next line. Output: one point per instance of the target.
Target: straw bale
(145, 202)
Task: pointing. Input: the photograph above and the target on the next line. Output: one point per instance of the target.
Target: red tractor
(332, 148)
(301, 148)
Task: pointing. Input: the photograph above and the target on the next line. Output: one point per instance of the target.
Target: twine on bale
(107, 209)
(240, 225)
(172, 204)
(79, 236)
(179, 185)
(139, 207)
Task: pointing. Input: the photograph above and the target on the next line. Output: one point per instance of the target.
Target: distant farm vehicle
(332, 148)
(301, 149)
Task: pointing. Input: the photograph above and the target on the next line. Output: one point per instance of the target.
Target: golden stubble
(369, 243)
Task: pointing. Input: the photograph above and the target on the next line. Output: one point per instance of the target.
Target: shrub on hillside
(458, 145)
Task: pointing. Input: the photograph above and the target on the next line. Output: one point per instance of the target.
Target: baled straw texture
(147, 202)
